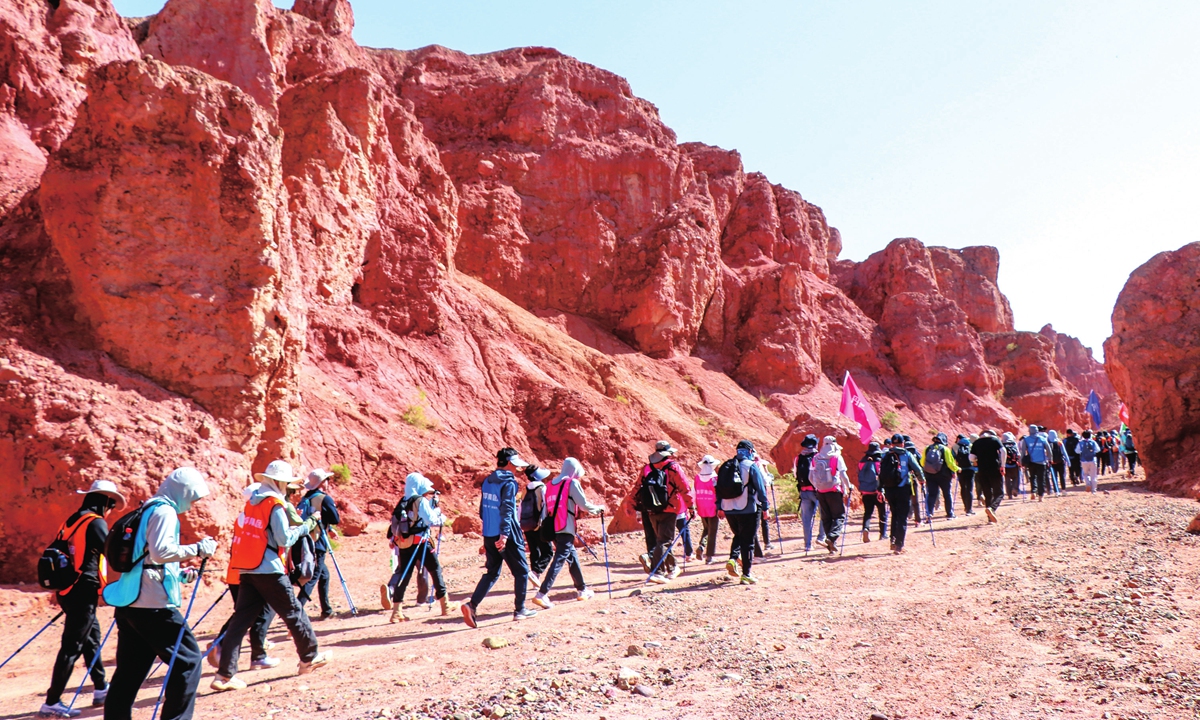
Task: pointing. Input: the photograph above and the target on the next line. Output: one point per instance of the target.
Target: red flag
(1124, 414)
(856, 407)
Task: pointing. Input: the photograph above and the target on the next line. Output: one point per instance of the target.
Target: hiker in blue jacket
(898, 468)
(318, 500)
(503, 541)
(742, 513)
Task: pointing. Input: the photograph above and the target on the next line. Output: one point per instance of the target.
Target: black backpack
(56, 566)
(531, 514)
(729, 480)
(118, 548)
(935, 459)
(405, 520)
(653, 494)
(889, 470)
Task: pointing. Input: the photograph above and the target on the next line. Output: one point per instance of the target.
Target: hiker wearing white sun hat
(319, 503)
(706, 507)
(263, 533)
(85, 532)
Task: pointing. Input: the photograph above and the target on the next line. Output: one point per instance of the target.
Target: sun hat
(316, 478)
(708, 460)
(663, 447)
(535, 473)
(279, 473)
(104, 487)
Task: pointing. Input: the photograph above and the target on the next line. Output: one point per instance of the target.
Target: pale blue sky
(1065, 133)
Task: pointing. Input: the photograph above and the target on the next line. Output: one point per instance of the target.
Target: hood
(1009, 437)
(263, 491)
(571, 470)
(183, 487)
(417, 484)
(500, 476)
(828, 447)
(1053, 436)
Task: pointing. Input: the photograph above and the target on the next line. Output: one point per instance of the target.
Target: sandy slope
(1075, 607)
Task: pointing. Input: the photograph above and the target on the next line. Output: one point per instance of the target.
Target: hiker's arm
(282, 533)
(1003, 456)
(950, 461)
(682, 487)
(162, 529)
(580, 500)
(430, 515)
(760, 493)
(508, 507)
(329, 512)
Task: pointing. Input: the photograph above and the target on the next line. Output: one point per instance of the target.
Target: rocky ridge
(230, 234)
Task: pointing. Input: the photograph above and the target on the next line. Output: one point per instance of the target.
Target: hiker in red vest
(262, 536)
(84, 533)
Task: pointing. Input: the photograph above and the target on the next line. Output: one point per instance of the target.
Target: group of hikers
(282, 537)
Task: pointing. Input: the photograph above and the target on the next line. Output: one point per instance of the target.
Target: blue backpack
(868, 476)
(1088, 450)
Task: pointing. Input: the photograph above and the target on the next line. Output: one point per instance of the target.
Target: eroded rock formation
(229, 234)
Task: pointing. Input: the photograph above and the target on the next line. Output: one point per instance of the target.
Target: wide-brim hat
(539, 474)
(279, 473)
(316, 478)
(104, 487)
(663, 447)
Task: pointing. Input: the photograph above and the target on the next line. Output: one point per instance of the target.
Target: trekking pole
(604, 539)
(179, 640)
(91, 665)
(345, 588)
(39, 632)
(778, 528)
(206, 612)
(402, 575)
(925, 496)
(663, 559)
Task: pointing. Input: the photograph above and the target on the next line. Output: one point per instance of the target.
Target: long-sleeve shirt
(328, 512)
(575, 500)
(678, 488)
(163, 551)
(281, 535)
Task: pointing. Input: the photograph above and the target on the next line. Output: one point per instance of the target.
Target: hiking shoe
(264, 663)
(831, 544)
(585, 594)
(321, 660)
(991, 516)
(98, 697)
(658, 579)
(748, 580)
(58, 710)
(523, 614)
(224, 684)
(542, 601)
(447, 606)
(675, 572)
(880, 535)
(385, 597)
(866, 536)
(899, 550)
(398, 615)
(213, 655)
(892, 547)
(731, 568)
(645, 561)
(708, 561)
(469, 615)
(951, 516)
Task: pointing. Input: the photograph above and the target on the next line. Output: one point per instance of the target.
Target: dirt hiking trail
(1075, 607)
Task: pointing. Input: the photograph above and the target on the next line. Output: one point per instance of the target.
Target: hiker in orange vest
(84, 533)
(260, 541)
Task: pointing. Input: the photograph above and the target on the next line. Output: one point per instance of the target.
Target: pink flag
(856, 407)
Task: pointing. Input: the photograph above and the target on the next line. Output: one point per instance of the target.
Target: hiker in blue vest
(742, 512)
(503, 541)
(897, 470)
(147, 601)
(809, 501)
(84, 532)
(564, 499)
(939, 466)
(872, 494)
(317, 499)
(1130, 450)
(1035, 454)
(1089, 451)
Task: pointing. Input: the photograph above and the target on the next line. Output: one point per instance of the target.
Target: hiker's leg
(868, 502)
(134, 658)
(573, 565)
(277, 593)
(648, 531)
(966, 486)
(514, 558)
(78, 617)
(561, 554)
(258, 633)
(711, 526)
(491, 572)
(434, 567)
(882, 508)
(160, 629)
(664, 528)
(249, 605)
(323, 578)
(405, 567)
(683, 525)
(808, 509)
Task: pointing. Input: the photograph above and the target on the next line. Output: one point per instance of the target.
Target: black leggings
(80, 636)
(744, 526)
(708, 540)
(900, 501)
(874, 502)
(426, 557)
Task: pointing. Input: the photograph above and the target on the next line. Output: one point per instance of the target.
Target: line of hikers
(281, 539)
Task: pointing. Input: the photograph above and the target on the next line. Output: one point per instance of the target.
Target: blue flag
(1093, 409)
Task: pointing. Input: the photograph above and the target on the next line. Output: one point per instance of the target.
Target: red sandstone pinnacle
(1152, 359)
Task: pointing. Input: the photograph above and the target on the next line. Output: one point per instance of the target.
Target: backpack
(1037, 449)
(821, 474)
(56, 567)
(304, 563)
(307, 507)
(531, 514)
(406, 523)
(118, 548)
(868, 475)
(889, 470)
(729, 480)
(1059, 453)
(935, 459)
(1088, 450)
(1011, 452)
(962, 455)
(653, 495)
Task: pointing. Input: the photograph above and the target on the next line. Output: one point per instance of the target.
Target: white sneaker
(98, 697)
(586, 594)
(221, 684)
(265, 663)
(58, 710)
(542, 601)
(658, 579)
(321, 660)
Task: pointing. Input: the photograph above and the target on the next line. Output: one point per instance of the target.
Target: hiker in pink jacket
(705, 494)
